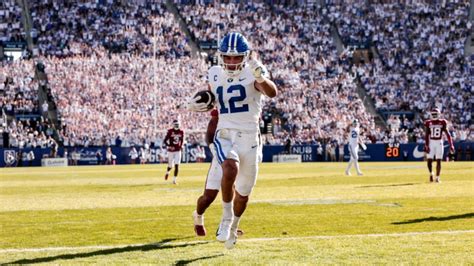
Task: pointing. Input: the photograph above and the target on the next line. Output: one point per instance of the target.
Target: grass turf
(299, 213)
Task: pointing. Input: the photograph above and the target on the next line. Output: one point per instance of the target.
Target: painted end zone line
(19, 250)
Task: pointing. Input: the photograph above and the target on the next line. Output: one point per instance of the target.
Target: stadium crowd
(317, 94)
(11, 29)
(67, 28)
(117, 93)
(18, 88)
(421, 48)
(113, 74)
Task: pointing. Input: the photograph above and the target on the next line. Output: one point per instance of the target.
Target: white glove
(257, 70)
(194, 106)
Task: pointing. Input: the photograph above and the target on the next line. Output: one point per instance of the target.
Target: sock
(235, 223)
(349, 166)
(167, 172)
(200, 218)
(437, 177)
(174, 178)
(228, 210)
(356, 163)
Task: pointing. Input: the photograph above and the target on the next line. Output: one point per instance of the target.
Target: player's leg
(429, 163)
(430, 156)
(230, 168)
(245, 181)
(355, 151)
(175, 177)
(351, 160)
(229, 161)
(170, 164)
(213, 184)
(438, 170)
(203, 202)
(439, 157)
(177, 162)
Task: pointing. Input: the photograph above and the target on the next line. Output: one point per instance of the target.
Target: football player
(239, 82)
(213, 179)
(434, 142)
(354, 140)
(174, 142)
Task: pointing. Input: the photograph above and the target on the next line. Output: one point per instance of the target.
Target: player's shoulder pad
(213, 74)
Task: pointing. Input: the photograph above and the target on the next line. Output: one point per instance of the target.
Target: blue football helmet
(355, 122)
(233, 44)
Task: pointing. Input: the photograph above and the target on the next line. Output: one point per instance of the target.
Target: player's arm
(181, 141)
(262, 82)
(450, 139)
(211, 128)
(267, 87)
(427, 137)
(167, 138)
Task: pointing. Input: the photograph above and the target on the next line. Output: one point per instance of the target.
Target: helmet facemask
(176, 125)
(233, 69)
(435, 114)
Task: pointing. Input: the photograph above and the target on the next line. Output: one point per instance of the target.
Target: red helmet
(176, 124)
(435, 113)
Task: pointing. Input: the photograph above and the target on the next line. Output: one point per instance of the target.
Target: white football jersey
(238, 101)
(354, 136)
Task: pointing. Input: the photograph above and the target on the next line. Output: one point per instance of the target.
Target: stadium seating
(11, 28)
(98, 58)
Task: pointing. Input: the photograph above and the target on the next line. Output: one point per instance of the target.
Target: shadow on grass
(391, 185)
(146, 247)
(432, 218)
(186, 262)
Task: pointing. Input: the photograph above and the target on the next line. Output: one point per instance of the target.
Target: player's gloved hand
(257, 70)
(427, 149)
(192, 105)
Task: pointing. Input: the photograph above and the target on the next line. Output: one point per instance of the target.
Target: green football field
(298, 214)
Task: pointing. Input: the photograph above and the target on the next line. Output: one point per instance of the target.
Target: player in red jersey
(174, 142)
(434, 142)
(213, 180)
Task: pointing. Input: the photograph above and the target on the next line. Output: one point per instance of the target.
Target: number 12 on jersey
(234, 100)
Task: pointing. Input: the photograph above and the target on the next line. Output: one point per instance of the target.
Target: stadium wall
(309, 153)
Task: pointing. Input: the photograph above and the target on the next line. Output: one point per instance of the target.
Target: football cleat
(230, 243)
(360, 173)
(348, 173)
(438, 180)
(166, 176)
(431, 178)
(199, 228)
(223, 232)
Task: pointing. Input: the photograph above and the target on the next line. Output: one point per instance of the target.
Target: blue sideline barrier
(309, 153)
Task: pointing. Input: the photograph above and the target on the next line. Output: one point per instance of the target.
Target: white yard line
(20, 250)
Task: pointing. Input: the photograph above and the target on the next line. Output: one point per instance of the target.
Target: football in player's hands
(202, 101)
